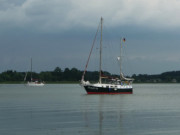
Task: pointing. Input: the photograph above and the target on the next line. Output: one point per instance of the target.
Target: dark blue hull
(102, 90)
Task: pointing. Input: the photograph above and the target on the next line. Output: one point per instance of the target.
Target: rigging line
(26, 74)
(90, 52)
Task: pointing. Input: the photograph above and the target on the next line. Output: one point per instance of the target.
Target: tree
(57, 74)
(46, 76)
(67, 75)
(75, 74)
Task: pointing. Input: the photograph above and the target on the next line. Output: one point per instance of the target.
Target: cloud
(55, 26)
(65, 15)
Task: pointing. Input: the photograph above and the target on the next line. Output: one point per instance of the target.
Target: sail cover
(124, 78)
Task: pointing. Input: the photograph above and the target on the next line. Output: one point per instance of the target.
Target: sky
(59, 33)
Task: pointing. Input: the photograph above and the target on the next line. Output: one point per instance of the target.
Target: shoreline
(62, 82)
(78, 82)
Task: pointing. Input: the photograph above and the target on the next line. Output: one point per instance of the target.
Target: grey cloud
(64, 15)
(49, 29)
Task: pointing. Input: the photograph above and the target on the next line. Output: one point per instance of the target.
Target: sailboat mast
(121, 57)
(100, 63)
(31, 69)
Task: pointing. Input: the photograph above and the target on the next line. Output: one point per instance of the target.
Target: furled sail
(124, 78)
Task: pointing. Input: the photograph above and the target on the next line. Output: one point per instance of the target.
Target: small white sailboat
(33, 82)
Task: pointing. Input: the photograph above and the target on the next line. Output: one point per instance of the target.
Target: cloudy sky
(60, 33)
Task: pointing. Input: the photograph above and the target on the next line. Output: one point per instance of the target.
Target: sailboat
(120, 85)
(33, 82)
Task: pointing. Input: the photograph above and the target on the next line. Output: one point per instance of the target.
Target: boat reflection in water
(101, 118)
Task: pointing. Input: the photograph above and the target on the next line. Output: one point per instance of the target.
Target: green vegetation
(57, 76)
(74, 76)
(166, 77)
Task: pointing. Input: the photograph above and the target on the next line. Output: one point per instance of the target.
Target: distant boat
(33, 82)
(121, 85)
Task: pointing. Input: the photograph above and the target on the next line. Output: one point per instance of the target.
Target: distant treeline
(166, 77)
(58, 75)
(74, 75)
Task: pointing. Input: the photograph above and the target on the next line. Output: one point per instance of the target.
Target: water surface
(59, 109)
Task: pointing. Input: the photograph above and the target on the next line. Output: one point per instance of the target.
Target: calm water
(153, 109)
